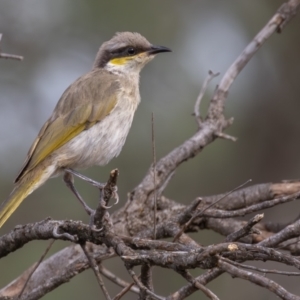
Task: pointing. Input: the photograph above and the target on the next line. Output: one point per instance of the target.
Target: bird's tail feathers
(30, 182)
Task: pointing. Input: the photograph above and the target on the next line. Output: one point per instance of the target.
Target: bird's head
(126, 52)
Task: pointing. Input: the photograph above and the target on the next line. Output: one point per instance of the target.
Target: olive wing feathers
(87, 101)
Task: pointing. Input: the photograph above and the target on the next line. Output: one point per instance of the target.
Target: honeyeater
(90, 122)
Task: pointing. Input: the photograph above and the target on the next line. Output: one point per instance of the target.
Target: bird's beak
(158, 49)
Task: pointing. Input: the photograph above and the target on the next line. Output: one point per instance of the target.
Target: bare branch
(216, 213)
(265, 271)
(154, 177)
(143, 289)
(95, 268)
(199, 214)
(287, 233)
(189, 289)
(185, 274)
(258, 279)
(9, 56)
(146, 279)
(207, 80)
(109, 275)
(284, 14)
(246, 229)
(124, 291)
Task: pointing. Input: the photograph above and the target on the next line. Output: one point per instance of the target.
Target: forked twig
(207, 80)
(185, 274)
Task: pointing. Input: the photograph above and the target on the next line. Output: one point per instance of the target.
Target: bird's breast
(104, 140)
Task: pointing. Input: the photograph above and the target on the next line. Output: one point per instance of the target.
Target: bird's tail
(31, 181)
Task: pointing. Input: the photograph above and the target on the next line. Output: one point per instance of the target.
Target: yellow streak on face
(120, 60)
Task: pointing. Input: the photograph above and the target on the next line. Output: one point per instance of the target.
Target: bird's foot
(68, 179)
(85, 178)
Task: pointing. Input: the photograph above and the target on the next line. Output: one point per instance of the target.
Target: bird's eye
(131, 51)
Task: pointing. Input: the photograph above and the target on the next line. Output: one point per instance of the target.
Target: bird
(91, 120)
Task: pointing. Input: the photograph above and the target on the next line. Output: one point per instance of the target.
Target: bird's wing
(86, 102)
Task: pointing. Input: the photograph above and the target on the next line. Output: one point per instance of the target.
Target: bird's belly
(98, 144)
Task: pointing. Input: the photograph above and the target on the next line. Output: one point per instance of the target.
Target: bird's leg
(87, 179)
(68, 179)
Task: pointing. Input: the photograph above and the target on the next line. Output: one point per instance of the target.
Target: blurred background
(59, 40)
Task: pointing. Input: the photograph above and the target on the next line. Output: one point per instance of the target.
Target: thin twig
(95, 268)
(118, 281)
(225, 136)
(206, 291)
(265, 271)
(154, 177)
(124, 291)
(140, 285)
(187, 224)
(187, 290)
(287, 244)
(245, 230)
(37, 264)
(224, 214)
(207, 80)
(258, 279)
(185, 274)
(217, 201)
(291, 231)
(9, 56)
